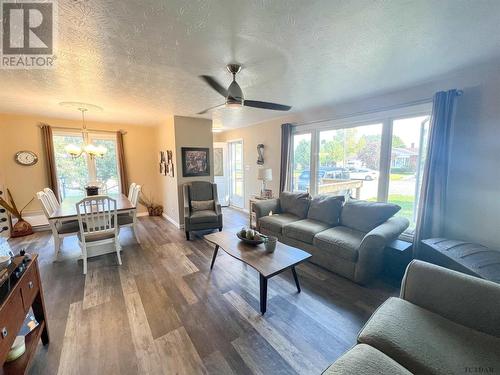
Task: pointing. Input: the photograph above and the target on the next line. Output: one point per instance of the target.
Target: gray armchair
(201, 207)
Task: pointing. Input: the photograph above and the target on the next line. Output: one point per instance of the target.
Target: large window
(349, 159)
(409, 147)
(73, 174)
(301, 162)
(376, 157)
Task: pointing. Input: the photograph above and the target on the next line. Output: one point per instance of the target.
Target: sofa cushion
(304, 230)
(326, 208)
(427, 343)
(341, 241)
(364, 216)
(364, 359)
(275, 223)
(204, 216)
(202, 205)
(295, 203)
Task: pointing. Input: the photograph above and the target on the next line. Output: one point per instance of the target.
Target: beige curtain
(121, 162)
(50, 159)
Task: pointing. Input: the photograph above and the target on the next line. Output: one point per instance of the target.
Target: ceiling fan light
(233, 105)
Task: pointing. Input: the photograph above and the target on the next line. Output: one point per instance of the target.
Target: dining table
(67, 209)
(67, 212)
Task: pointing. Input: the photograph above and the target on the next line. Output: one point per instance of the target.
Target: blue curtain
(432, 207)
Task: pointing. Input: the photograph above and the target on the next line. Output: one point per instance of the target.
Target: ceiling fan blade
(209, 109)
(213, 83)
(266, 105)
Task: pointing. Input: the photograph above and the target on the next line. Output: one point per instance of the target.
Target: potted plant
(21, 227)
(153, 208)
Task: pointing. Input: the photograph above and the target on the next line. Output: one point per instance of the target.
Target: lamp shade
(265, 174)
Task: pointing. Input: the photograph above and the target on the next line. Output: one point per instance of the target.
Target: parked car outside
(363, 174)
(333, 172)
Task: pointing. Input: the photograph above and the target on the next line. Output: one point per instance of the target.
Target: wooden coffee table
(267, 264)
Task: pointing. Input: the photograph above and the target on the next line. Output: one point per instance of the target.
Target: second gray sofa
(346, 238)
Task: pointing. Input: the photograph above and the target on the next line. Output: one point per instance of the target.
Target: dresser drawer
(11, 320)
(29, 287)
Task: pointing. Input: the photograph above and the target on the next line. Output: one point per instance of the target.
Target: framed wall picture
(195, 161)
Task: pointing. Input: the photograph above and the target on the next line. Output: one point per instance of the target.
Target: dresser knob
(4, 332)
(30, 284)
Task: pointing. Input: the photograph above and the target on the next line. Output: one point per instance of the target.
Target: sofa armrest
(265, 206)
(370, 252)
(464, 299)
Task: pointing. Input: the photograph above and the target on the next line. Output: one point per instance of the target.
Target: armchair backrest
(200, 191)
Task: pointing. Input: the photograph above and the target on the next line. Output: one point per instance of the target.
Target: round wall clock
(26, 158)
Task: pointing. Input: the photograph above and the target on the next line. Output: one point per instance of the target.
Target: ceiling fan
(234, 95)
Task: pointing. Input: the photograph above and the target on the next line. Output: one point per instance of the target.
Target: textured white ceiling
(139, 60)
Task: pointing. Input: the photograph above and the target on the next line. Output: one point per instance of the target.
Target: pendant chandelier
(88, 148)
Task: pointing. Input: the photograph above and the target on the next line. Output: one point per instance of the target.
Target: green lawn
(406, 203)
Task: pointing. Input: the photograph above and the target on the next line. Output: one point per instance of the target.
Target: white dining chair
(129, 219)
(131, 190)
(97, 219)
(52, 198)
(59, 229)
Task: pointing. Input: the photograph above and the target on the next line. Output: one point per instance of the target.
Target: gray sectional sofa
(444, 322)
(347, 238)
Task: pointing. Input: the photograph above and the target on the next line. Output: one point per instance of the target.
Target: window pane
(72, 174)
(349, 161)
(107, 166)
(409, 148)
(301, 162)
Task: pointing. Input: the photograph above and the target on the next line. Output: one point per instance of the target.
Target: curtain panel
(50, 159)
(121, 162)
(286, 154)
(432, 207)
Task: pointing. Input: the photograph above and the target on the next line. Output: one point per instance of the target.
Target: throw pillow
(326, 208)
(295, 203)
(202, 205)
(365, 216)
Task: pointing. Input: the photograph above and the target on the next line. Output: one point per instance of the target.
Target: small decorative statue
(21, 227)
(260, 151)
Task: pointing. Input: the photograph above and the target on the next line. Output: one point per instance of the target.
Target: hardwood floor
(164, 312)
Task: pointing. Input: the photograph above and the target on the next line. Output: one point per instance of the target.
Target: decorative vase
(270, 244)
(92, 190)
(21, 228)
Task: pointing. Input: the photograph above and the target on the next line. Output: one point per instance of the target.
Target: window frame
(91, 163)
(386, 118)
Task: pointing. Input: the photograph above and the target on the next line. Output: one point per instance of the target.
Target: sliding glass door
(236, 174)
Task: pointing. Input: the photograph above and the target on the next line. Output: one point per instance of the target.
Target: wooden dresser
(22, 291)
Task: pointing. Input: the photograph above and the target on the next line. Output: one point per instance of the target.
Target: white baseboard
(173, 221)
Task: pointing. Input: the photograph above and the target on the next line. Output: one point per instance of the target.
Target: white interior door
(236, 174)
(221, 172)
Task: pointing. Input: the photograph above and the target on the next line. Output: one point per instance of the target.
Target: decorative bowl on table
(248, 238)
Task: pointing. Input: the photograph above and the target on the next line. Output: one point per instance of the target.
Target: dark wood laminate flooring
(164, 312)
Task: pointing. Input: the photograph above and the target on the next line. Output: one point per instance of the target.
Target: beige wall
(167, 186)
(191, 132)
(267, 133)
(19, 132)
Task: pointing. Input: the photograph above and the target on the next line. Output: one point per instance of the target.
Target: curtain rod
(382, 109)
(41, 125)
